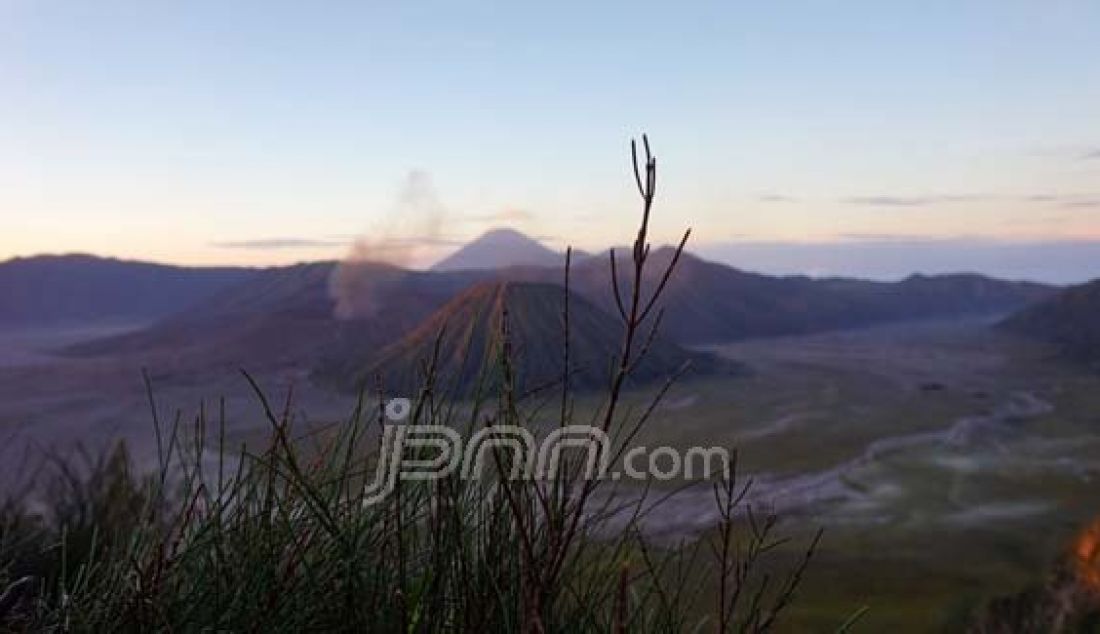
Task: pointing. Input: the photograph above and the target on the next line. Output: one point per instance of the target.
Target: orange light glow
(1086, 557)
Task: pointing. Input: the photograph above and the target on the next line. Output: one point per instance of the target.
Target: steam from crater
(404, 237)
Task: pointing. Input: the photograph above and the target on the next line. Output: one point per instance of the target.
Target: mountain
(500, 248)
(287, 315)
(1070, 320)
(51, 290)
(468, 333)
(274, 311)
(708, 302)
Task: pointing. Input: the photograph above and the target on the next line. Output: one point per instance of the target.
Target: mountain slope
(273, 310)
(497, 249)
(707, 302)
(83, 289)
(286, 315)
(469, 329)
(1070, 320)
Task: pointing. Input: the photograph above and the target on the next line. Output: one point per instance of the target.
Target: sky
(870, 138)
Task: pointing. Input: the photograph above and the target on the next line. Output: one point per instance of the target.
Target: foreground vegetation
(280, 542)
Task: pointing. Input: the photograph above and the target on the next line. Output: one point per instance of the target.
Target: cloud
(879, 237)
(1067, 200)
(887, 201)
(896, 238)
(776, 198)
(1070, 152)
(1079, 200)
(1038, 221)
(409, 243)
(1082, 204)
(274, 244)
(912, 201)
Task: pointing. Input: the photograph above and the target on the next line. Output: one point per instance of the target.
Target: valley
(950, 460)
(947, 461)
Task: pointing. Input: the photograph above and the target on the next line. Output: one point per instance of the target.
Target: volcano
(468, 334)
(500, 248)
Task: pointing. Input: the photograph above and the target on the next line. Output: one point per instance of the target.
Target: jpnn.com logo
(433, 452)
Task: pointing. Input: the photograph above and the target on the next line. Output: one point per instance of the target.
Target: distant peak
(501, 247)
(505, 232)
(507, 236)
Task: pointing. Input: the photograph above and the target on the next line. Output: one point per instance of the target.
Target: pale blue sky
(184, 132)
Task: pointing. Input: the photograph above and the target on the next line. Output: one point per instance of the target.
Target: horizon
(815, 260)
(862, 140)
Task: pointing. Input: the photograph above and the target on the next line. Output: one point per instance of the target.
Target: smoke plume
(400, 239)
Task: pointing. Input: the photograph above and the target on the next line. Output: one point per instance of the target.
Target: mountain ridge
(708, 302)
(79, 288)
(1070, 320)
(288, 312)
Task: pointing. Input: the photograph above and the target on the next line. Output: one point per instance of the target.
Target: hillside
(286, 315)
(471, 326)
(49, 290)
(278, 311)
(1070, 320)
(497, 249)
(708, 302)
